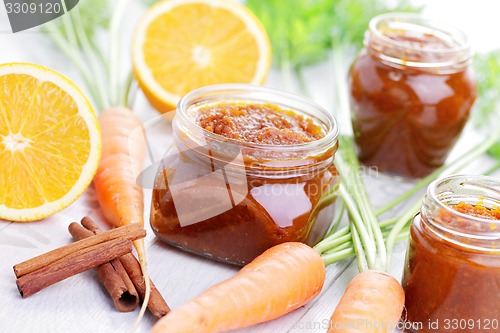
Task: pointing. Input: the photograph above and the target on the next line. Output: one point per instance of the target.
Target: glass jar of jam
(250, 168)
(452, 270)
(411, 90)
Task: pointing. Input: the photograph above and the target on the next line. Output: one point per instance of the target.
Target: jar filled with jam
(411, 91)
(452, 270)
(250, 168)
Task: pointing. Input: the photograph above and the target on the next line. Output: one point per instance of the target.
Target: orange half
(50, 143)
(181, 45)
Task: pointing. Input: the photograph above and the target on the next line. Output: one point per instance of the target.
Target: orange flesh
(216, 55)
(41, 115)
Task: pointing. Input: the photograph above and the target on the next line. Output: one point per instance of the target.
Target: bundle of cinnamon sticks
(110, 253)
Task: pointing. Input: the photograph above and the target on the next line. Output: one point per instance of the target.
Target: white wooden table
(80, 303)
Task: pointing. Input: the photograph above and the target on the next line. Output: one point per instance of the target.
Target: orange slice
(50, 142)
(181, 45)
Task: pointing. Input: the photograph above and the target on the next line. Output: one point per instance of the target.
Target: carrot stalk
(280, 280)
(121, 199)
(372, 302)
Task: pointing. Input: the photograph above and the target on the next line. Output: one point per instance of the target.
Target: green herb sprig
(76, 35)
(487, 69)
(304, 32)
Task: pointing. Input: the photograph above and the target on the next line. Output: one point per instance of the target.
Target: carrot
(123, 144)
(372, 302)
(280, 280)
(121, 199)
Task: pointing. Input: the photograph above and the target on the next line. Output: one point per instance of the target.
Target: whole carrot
(372, 302)
(280, 280)
(121, 199)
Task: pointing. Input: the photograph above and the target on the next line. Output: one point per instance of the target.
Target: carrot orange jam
(258, 123)
(238, 214)
(450, 285)
(407, 118)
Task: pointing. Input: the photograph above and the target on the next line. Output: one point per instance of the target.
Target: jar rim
(330, 137)
(487, 184)
(461, 47)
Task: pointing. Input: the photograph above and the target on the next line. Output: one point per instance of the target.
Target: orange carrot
(280, 280)
(121, 199)
(123, 144)
(372, 303)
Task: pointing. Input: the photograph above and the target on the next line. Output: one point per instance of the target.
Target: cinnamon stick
(157, 304)
(112, 275)
(130, 232)
(72, 264)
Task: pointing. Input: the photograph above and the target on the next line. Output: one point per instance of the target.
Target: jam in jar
(250, 168)
(452, 270)
(411, 91)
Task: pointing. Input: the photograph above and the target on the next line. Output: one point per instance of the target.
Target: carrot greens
(304, 33)
(76, 34)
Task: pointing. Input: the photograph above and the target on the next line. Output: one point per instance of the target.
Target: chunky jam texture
(477, 210)
(444, 281)
(258, 123)
(407, 119)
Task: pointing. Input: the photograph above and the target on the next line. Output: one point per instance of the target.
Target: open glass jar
(411, 90)
(452, 270)
(231, 200)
